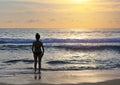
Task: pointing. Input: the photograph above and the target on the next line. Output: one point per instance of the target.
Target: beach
(112, 82)
(59, 42)
(72, 57)
(104, 77)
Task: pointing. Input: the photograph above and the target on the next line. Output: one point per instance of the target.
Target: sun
(78, 1)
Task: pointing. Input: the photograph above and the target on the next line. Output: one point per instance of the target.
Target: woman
(38, 51)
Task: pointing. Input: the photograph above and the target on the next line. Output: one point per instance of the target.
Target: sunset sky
(59, 13)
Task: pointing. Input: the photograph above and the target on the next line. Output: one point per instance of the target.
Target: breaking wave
(53, 40)
(69, 44)
(62, 65)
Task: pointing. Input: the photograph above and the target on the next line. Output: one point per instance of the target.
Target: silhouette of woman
(38, 52)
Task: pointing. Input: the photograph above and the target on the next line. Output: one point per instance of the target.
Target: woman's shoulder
(34, 42)
(37, 42)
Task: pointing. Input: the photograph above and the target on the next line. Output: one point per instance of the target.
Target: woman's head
(37, 36)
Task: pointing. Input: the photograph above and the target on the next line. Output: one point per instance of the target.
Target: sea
(65, 49)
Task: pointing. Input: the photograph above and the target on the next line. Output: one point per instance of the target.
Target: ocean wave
(54, 40)
(82, 64)
(15, 41)
(73, 47)
(67, 44)
(18, 60)
(89, 47)
(103, 40)
(71, 68)
(57, 62)
(63, 65)
(77, 68)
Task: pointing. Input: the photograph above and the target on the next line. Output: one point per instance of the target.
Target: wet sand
(96, 77)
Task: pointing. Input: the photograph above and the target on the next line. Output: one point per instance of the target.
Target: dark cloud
(16, 3)
(9, 21)
(32, 21)
(11, 3)
(107, 0)
(114, 0)
(52, 20)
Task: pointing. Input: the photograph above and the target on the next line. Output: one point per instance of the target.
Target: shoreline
(87, 77)
(109, 82)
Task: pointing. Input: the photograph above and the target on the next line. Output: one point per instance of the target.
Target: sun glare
(78, 1)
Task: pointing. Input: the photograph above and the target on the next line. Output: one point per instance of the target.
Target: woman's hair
(37, 36)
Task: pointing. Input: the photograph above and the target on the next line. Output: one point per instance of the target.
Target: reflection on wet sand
(37, 76)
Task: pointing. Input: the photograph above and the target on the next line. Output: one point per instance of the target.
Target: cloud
(52, 20)
(46, 11)
(32, 21)
(9, 21)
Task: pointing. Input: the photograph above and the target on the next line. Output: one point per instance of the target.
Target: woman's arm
(32, 47)
(42, 49)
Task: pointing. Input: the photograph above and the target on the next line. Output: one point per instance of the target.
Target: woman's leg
(39, 62)
(35, 63)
